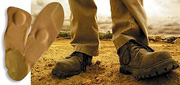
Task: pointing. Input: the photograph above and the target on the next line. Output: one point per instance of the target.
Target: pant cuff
(121, 40)
(89, 50)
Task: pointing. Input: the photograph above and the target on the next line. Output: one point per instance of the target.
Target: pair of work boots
(23, 49)
(135, 59)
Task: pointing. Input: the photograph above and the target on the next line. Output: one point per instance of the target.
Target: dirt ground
(103, 71)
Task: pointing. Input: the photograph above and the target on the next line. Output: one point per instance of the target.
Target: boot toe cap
(161, 55)
(155, 57)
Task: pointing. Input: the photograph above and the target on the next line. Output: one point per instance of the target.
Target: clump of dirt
(103, 71)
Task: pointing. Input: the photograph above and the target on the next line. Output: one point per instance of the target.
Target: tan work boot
(142, 62)
(72, 65)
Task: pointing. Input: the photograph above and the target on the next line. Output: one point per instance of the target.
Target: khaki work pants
(128, 18)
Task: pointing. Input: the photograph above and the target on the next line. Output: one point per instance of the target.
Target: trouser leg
(84, 29)
(129, 22)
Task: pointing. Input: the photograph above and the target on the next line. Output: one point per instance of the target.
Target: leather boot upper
(76, 62)
(138, 55)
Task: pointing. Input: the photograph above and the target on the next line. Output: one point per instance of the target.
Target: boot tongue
(78, 55)
(134, 49)
(139, 49)
(82, 58)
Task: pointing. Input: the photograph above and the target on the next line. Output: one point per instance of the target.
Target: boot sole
(155, 70)
(60, 74)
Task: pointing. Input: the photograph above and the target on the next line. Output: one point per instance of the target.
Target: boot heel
(124, 70)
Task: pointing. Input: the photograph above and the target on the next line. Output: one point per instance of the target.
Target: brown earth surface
(103, 71)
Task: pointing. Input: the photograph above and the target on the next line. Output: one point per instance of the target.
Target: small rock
(110, 74)
(67, 78)
(37, 70)
(99, 80)
(98, 62)
(158, 38)
(177, 41)
(41, 78)
(83, 83)
(50, 65)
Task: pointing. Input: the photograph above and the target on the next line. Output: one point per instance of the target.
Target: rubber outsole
(61, 74)
(156, 70)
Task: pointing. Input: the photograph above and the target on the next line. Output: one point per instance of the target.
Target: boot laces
(133, 47)
(85, 57)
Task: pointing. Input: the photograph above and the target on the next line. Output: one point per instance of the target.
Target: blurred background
(163, 15)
